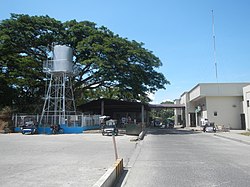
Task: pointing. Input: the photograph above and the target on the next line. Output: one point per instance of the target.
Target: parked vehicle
(170, 123)
(110, 128)
(29, 128)
(210, 127)
(56, 129)
(103, 120)
(204, 122)
(157, 123)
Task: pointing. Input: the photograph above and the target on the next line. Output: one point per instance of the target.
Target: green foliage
(24, 44)
(245, 133)
(163, 114)
(5, 112)
(109, 66)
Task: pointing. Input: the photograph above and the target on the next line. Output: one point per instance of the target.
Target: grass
(246, 133)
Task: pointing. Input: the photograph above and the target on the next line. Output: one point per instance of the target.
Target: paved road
(58, 160)
(185, 158)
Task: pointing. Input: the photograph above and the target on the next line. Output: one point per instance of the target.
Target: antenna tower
(215, 61)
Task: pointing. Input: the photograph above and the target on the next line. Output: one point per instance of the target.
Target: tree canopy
(109, 66)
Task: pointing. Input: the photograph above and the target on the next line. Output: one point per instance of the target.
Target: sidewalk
(235, 136)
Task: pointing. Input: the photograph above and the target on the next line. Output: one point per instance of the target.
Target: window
(247, 103)
(215, 114)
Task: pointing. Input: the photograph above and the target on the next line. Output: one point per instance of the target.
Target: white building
(246, 106)
(221, 103)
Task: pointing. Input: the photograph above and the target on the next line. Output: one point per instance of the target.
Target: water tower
(59, 98)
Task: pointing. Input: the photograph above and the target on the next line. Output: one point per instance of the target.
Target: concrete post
(102, 108)
(184, 117)
(142, 116)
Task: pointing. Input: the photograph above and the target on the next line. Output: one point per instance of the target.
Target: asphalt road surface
(58, 160)
(185, 158)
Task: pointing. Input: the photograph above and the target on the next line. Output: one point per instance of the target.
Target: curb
(100, 131)
(131, 163)
(234, 139)
(142, 134)
(111, 176)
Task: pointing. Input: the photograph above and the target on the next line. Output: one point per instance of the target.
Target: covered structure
(179, 111)
(118, 109)
(162, 106)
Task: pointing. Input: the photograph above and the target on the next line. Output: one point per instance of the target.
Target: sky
(179, 32)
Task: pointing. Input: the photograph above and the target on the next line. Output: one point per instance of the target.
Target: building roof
(111, 105)
(216, 89)
(166, 106)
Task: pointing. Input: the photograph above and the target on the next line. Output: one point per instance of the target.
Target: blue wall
(67, 130)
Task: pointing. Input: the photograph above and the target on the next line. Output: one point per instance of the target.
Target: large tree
(24, 44)
(108, 65)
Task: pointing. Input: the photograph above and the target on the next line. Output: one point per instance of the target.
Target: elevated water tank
(62, 59)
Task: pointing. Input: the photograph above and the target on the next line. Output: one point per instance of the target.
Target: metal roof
(166, 106)
(112, 105)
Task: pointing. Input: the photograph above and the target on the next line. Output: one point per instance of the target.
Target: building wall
(246, 106)
(221, 103)
(222, 89)
(185, 100)
(215, 89)
(225, 110)
(195, 92)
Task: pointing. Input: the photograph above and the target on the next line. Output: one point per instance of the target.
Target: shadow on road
(122, 178)
(174, 131)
